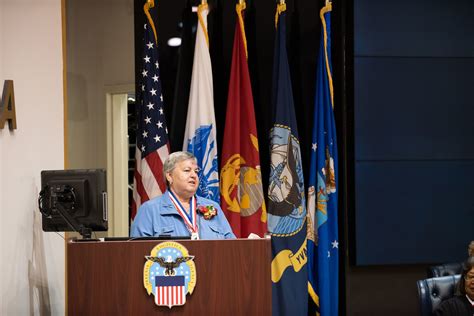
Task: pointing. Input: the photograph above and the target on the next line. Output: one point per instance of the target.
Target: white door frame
(117, 158)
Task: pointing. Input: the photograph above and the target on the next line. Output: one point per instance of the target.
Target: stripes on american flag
(152, 133)
(170, 291)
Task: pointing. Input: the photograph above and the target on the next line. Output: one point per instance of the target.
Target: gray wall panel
(413, 212)
(414, 28)
(411, 108)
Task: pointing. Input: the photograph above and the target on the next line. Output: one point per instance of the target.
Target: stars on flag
(335, 245)
(152, 121)
(152, 141)
(150, 106)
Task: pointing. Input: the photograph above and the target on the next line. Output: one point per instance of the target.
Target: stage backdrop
(414, 136)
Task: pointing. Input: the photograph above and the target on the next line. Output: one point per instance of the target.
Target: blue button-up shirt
(159, 216)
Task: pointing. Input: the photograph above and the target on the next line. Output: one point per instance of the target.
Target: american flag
(170, 290)
(152, 133)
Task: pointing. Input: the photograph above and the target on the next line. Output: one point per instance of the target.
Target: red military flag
(242, 198)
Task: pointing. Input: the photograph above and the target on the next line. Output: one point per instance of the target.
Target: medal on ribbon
(190, 219)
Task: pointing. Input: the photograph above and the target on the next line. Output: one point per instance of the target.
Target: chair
(431, 292)
(445, 270)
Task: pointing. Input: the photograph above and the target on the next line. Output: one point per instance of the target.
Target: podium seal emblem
(169, 273)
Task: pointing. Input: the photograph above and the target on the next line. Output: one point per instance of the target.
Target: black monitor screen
(80, 193)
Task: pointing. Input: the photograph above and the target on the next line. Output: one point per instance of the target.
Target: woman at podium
(179, 212)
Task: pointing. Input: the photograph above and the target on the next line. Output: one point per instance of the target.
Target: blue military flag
(323, 252)
(286, 204)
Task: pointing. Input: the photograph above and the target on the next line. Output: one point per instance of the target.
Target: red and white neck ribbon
(190, 219)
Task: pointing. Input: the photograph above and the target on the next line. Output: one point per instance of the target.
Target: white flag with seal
(200, 133)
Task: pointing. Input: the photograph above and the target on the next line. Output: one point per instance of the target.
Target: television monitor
(74, 200)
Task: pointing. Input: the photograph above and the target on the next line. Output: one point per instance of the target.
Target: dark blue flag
(323, 242)
(286, 207)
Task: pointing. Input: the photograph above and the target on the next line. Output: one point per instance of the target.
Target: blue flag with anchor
(323, 242)
(286, 202)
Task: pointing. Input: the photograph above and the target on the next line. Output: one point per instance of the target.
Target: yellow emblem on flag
(236, 175)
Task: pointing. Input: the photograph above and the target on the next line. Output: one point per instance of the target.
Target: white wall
(100, 54)
(32, 262)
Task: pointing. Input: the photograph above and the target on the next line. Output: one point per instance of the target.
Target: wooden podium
(106, 278)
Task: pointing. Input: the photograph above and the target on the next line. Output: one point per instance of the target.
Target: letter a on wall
(7, 106)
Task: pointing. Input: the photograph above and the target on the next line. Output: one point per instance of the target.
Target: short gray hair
(173, 159)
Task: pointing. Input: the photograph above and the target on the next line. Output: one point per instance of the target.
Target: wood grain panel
(106, 278)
